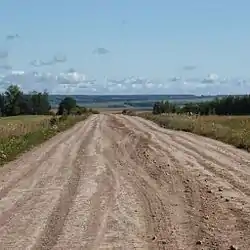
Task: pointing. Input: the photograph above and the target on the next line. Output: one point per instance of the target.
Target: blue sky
(148, 42)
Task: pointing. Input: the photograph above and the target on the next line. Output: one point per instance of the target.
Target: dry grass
(233, 130)
(21, 133)
(20, 125)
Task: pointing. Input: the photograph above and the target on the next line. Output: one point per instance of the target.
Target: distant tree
(66, 105)
(2, 104)
(40, 103)
(164, 107)
(157, 108)
(13, 94)
(228, 105)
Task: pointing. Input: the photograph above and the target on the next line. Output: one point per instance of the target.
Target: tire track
(149, 183)
(208, 160)
(31, 182)
(196, 165)
(123, 183)
(41, 155)
(56, 219)
(60, 190)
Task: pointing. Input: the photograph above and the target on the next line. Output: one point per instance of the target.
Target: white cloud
(101, 51)
(55, 83)
(12, 36)
(189, 67)
(72, 81)
(211, 78)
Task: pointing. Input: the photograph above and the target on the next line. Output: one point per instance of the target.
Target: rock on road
(120, 182)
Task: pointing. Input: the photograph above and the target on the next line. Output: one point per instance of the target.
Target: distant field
(19, 125)
(127, 101)
(233, 130)
(119, 110)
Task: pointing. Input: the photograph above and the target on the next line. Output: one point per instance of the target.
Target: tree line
(228, 105)
(14, 102)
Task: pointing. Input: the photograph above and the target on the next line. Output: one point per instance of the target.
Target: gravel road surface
(121, 182)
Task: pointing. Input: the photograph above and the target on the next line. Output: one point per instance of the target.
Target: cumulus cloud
(12, 36)
(189, 67)
(101, 51)
(54, 83)
(72, 81)
(134, 85)
(211, 78)
(59, 58)
(54, 60)
(36, 63)
(175, 79)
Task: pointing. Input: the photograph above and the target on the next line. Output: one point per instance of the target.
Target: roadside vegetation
(27, 120)
(226, 119)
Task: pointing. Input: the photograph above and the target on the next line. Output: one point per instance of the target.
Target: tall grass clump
(16, 138)
(234, 130)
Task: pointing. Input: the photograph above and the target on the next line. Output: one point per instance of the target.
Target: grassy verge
(234, 130)
(16, 143)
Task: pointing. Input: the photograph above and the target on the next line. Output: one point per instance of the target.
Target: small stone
(153, 238)
(206, 217)
(209, 191)
(232, 247)
(164, 242)
(220, 189)
(226, 199)
(198, 242)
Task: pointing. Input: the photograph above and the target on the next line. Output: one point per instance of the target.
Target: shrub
(53, 121)
(128, 112)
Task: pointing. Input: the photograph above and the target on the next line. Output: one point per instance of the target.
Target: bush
(128, 112)
(53, 121)
(93, 111)
(63, 117)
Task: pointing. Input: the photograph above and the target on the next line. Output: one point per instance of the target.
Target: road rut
(121, 182)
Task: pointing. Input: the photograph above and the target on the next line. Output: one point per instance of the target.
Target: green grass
(234, 130)
(18, 142)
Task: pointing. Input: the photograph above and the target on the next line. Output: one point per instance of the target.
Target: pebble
(206, 217)
(198, 242)
(232, 247)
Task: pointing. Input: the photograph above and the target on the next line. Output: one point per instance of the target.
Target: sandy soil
(120, 182)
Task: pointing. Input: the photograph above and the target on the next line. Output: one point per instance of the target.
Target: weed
(234, 130)
(19, 140)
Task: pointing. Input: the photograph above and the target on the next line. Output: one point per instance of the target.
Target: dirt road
(120, 182)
